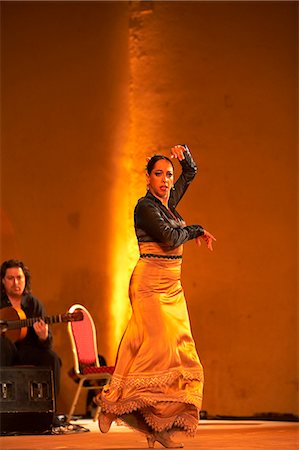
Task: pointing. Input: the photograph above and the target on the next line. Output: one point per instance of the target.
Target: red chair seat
(101, 369)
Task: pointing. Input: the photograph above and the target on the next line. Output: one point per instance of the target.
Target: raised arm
(189, 171)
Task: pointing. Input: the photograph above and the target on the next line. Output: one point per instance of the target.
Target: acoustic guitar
(14, 323)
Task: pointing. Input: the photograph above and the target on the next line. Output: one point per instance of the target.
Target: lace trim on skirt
(159, 379)
(146, 395)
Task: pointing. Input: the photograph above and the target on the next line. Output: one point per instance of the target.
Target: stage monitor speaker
(27, 404)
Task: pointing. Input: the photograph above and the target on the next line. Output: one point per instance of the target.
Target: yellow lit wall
(89, 89)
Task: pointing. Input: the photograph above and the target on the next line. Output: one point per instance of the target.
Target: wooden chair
(87, 368)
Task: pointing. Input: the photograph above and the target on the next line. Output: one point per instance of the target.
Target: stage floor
(211, 435)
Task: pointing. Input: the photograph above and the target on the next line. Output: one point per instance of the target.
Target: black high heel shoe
(164, 439)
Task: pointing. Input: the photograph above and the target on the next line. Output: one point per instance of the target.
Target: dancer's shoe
(164, 439)
(105, 420)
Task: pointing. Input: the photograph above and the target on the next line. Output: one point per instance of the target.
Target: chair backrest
(83, 339)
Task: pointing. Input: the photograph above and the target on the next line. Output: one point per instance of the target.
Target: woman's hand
(178, 152)
(41, 329)
(208, 238)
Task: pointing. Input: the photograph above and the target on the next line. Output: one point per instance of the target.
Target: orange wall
(88, 91)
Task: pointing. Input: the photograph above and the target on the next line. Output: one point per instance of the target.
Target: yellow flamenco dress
(157, 385)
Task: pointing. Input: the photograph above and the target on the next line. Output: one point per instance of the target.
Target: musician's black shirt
(32, 308)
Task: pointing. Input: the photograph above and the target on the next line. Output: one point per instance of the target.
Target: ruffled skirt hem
(153, 412)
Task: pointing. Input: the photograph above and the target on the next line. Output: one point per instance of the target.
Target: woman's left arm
(208, 238)
(189, 170)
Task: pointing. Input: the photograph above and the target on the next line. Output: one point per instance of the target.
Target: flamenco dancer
(158, 380)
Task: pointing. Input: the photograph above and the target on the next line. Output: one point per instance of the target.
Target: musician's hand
(41, 329)
(208, 238)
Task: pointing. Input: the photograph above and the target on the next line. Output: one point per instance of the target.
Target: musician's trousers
(11, 355)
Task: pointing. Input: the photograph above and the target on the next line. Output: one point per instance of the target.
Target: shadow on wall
(9, 245)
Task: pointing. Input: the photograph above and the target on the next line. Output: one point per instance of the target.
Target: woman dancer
(158, 380)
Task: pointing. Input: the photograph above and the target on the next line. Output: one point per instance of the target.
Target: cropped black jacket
(155, 223)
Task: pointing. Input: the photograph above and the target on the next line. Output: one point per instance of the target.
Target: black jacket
(33, 308)
(154, 223)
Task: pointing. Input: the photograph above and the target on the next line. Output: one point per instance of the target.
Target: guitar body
(10, 313)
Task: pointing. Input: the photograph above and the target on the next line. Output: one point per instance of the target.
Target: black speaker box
(27, 404)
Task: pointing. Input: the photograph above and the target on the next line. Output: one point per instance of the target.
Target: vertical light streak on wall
(130, 185)
(123, 257)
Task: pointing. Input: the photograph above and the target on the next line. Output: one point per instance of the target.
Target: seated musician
(36, 347)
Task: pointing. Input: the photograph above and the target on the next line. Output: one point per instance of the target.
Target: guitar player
(35, 348)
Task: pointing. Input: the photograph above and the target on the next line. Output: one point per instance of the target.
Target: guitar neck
(15, 324)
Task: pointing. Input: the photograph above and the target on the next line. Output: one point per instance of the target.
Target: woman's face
(160, 180)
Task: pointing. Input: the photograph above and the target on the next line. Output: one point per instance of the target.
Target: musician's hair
(11, 263)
